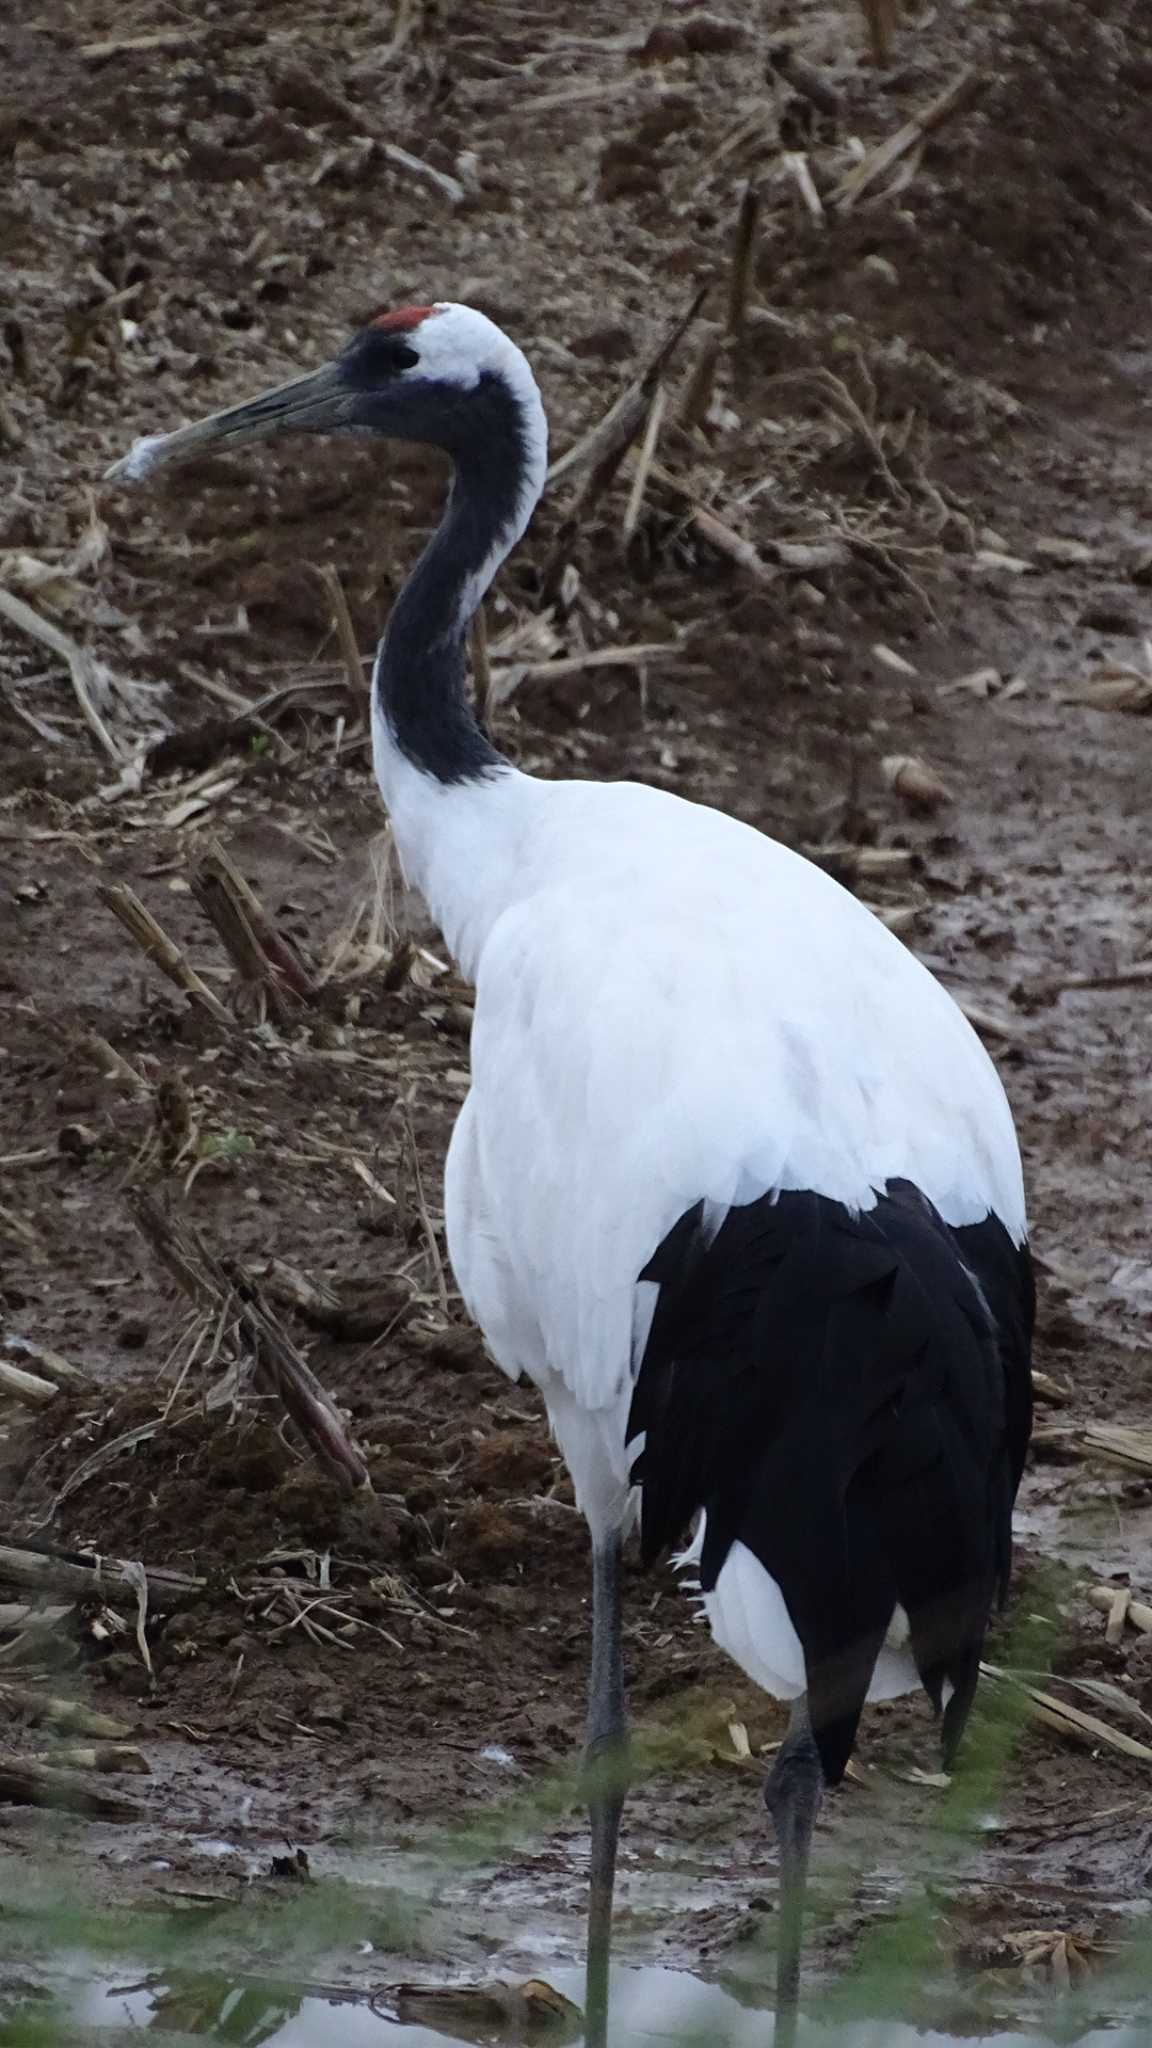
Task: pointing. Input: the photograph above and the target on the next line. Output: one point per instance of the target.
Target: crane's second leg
(792, 1795)
(605, 1763)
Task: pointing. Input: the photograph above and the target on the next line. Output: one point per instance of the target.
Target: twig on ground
(402, 20)
(108, 1759)
(712, 529)
(153, 39)
(1116, 1442)
(17, 1225)
(23, 1783)
(112, 1064)
(1137, 976)
(507, 681)
(360, 121)
(279, 1366)
(405, 161)
(160, 949)
(644, 463)
(954, 100)
(842, 398)
(71, 1717)
(82, 668)
(49, 1364)
(1068, 1720)
(43, 1571)
(987, 1022)
(605, 445)
(422, 1210)
(795, 163)
(26, 1387)
(1047, 1389)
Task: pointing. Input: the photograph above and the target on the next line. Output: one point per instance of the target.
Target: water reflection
(652, 2009)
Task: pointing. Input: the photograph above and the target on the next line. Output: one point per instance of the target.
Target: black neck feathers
(422, 666)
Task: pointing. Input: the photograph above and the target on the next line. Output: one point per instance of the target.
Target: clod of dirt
(511, 1461)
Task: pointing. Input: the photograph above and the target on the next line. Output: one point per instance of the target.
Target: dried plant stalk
(882, 18)
(261, 954)
(26, 1387)
(71, 1717)
(44, 1572)
(955, 99)
(607, 444)
(82, 669)
(644, 463)
(109, 1759)
(223, 1285)
(359, 687)
(153, 940)
(714, 530)
(23, 1783)
(700, 382)
(743, 257)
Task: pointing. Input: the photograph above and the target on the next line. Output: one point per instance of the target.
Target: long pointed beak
(312, 404)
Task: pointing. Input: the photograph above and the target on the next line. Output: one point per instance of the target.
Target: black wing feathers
(833, 1391)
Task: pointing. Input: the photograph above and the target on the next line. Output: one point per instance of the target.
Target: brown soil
(184, 223)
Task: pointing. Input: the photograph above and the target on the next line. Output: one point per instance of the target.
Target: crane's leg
(792, 1795)
(605, 1763)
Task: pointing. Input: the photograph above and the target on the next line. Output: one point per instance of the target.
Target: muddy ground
(943, 390)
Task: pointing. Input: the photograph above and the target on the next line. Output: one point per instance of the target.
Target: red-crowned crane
(735, 1183)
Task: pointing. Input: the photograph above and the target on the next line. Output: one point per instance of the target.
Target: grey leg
(605, 1764)
(792, 1795)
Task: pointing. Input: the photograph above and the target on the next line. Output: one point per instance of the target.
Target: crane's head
(442, 374)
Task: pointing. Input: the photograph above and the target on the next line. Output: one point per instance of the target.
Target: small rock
(911, 778)
(878, 270)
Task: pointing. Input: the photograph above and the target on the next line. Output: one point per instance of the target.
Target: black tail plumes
(850, 1397)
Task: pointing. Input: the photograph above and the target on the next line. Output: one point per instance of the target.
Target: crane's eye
(371, 356)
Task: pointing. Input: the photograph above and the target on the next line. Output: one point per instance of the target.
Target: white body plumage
(671, 1007)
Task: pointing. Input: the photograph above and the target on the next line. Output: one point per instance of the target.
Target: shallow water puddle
(650, 2007)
